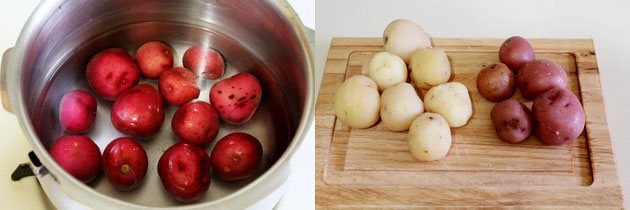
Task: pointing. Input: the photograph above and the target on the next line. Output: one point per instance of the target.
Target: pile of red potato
(557, 116)
(138, 112)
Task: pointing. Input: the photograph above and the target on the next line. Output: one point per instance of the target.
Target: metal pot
(264, 38)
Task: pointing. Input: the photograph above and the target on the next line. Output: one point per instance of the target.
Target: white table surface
(26, 194)
(606, 22)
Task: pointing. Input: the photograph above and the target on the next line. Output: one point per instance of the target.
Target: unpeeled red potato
(496, 82)
(110, 72)
(153, 59)
(538, 76)
(400, 105)
(77, 155)
(77, 111)
(515, 52)
(429, 67)
(357, 102)
(387, 69)
(512, 120)
(452, 101)
(403, 38)
(429, 137)
(559, 116)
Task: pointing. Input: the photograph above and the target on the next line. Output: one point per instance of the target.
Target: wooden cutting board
(367, 168)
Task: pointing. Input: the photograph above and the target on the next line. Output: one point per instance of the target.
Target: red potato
(111, 72)
(125, 163)
(236, 98)
(139, 112)
(77, 111)
(512, 121)
(559, 116)
(185, 171)
(496, 82)
(196, 123)
(178, 85)
(515, 52)
(204, 61)
(77, 155)
(538, 76)
(236, 156)
(153, 58)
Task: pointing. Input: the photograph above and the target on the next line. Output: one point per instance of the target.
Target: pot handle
(27, 169)
(3, 80)
(49, 183)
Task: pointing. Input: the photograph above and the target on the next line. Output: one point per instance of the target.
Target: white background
(26, 193)
(606, 22)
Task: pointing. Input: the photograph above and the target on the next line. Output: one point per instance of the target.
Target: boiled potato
(512, 120)
(387, 69)
(403, 38)
(559, 116)
(400, 105)
(357, 102)
(430, 67)
(515, 52)
(452, 101)
(538, 76)
(496, 82)
(429, 137)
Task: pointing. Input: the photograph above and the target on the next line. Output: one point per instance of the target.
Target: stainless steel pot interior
(259, 37)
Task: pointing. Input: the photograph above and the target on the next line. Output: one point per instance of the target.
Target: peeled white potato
(430, 67)
(400, 105)
(429, 137)
(357, 102)
(387, 69)
(451, 100)
(403, 38)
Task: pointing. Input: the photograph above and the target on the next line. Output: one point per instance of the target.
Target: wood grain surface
(373, 168)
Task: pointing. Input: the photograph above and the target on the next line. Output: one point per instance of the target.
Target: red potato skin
(236, 156)
(196, 123)
(496, 82)
(236, 98)
(515, 52)
(204, 61)
(153, 59)
(538, 76)
(77, 111)
(559, 117)
(139, 112)
(111, 72)
(178, 85)
(512, 120)
(77, 155)
(125, 163)
(185, 171)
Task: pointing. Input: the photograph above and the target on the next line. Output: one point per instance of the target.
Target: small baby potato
(110, 72)
(403, 38)
(77, 155)
(400, 105)
(429, 67)
(538, 76)
(496, 82)
(153, 58)
(451, 100)
(515, 52)
(357, 102)
(387, 69)
(77, 111)
(429, 137)
(512, 120)
(559, 116)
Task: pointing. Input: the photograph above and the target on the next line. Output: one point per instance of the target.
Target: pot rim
(16, 99)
